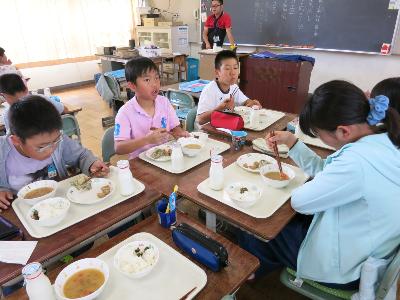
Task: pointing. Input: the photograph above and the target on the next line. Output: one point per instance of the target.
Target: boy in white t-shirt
(223, 93)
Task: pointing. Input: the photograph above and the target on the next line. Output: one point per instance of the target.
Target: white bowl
(202, 136)
(190, 141)
(245, 199)
(274, 168)
(125, 258)
(59, 207)
(35, 185)
(79, 265)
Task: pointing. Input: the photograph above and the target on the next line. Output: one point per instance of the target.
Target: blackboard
(354, 25)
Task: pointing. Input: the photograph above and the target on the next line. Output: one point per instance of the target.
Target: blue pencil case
(200, 247)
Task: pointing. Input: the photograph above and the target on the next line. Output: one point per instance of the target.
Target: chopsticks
(234, 91)
(276, 152)
(187, 294)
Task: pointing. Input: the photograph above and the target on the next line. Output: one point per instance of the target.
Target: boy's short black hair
(220, 1)
(137, 67)
(33, 115)
(2, 51)
(11, 84)
(221, 56)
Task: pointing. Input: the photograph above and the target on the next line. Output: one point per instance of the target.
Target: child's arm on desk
(157, 136)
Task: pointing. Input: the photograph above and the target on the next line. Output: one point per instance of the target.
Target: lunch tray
(271, 198)
(190, 162)
(172, 277)
(77, 212)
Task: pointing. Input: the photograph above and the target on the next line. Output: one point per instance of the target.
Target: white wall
(361, 69)
(57, 75)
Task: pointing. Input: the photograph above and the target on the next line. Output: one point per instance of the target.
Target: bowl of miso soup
(84, 279)
(191, 146)
(271, 175)
(37, 191)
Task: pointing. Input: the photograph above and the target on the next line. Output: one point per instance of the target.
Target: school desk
(92, 228)
(227, 281)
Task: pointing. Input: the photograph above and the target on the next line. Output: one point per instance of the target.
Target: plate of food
(136, 259)
(86, 190)
(160, 153)
(252, 162)
(243, 194)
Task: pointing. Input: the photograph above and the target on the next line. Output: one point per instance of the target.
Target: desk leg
(211, 221)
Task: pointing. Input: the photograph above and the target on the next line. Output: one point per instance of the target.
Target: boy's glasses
(50, 145)
(215, 6)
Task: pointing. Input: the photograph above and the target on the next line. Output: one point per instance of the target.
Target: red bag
(227, 120)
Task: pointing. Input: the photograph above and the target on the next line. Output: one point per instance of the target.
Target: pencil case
(227, 120)
(200, 247)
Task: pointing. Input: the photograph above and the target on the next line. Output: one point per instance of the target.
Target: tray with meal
(140, 267)
(196, 150)
(46, 207)
(255, 186)
(258, 119)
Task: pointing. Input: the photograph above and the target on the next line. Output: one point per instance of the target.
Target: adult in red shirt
(217, 26)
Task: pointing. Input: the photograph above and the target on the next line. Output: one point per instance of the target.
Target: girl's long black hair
(338, 103)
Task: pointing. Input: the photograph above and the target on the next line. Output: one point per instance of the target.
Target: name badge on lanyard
(51, 171)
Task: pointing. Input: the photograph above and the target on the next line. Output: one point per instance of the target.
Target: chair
(70, 127)
(314, 290)
(182, 101)
(190, 119)
(107, 145)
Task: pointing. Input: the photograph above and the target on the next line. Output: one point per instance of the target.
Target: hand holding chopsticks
(276, 152)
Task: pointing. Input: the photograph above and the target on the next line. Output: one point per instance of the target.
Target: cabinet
(278, 85)
(170, 39)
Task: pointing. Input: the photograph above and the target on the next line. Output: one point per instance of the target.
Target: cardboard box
(150, 22)
(169, 23)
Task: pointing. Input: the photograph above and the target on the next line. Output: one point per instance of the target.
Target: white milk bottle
(177, 163)
(125, 178)
(216, 179)
(254, 118)
(38, 286)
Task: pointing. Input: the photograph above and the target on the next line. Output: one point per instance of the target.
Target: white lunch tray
(267, 118)
(190, 162)
(313, 141)
(271, 198)
(77, 212)
(172, 277)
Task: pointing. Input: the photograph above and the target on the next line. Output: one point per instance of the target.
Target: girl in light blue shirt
(353, 200)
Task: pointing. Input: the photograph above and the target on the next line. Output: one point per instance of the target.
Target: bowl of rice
(136, 259)
(49, 212)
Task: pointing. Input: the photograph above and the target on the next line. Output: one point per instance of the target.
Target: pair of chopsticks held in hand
(276, 153)
(231, 96)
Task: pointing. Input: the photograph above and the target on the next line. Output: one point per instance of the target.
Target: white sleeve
(206, 101)
(240, 98)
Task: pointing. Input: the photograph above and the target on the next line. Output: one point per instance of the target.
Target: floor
(93, 109)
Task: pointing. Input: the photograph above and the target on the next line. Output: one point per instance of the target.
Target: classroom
(199, 149)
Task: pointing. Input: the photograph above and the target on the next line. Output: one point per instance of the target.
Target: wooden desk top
(241, 263)
(57, 243)
(188, 181)
(72, 109)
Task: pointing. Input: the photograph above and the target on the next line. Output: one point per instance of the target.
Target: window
(45, 30)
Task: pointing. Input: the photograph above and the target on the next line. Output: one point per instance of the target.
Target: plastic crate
(192, 68)
(195, 86)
